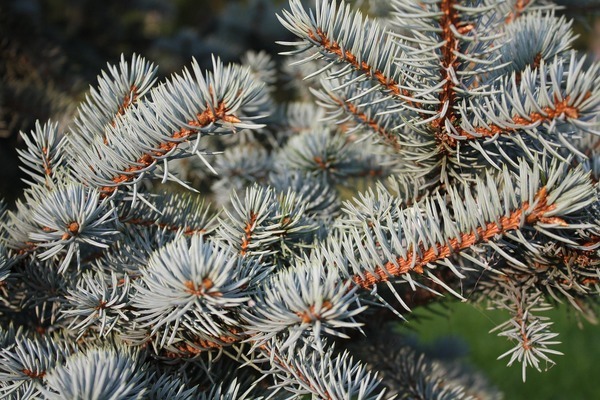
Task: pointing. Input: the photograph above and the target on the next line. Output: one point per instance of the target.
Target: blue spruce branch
(471, 126)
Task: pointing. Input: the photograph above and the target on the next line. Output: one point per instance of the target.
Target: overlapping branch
(117, 91)
(45, 153)
(204, 119)
(348, 38)
(363, 109)
(417, 263)
(177, 112)
(398, 243)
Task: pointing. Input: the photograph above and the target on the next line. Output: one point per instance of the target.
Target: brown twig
(560, 107)
(334, 47)
(518, 10)
(187, 230)
(449, 64)
(248, 231)
(203, 119)
(388, 137)
(405, 265)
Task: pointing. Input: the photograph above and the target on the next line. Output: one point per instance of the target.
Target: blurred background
(52, 50)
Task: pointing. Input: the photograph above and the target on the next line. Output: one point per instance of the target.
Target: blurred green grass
(576, 375)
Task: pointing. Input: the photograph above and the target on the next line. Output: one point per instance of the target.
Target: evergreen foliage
(471, 124)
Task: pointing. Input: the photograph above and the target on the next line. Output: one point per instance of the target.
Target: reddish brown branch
(202, 289)
(388, 137)
(129, 99)
(518, 10)
(345, 55)
(73, 229)
(276, 359)
(248, 230)
(560, 107)
(46, 161)
(449, 64)
(198, 346)
(203, 119)
(324, 165)
(521, 323)
(310, 315)
(582, 257)
(417, 263)
(28, 247)
(187, 230)
(448, 95)
(34, 374)
(101, 305)
(533, 65)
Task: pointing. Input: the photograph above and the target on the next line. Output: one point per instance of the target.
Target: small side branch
(283, 365)
(410, 263)
(248, 231)
(549, 113)
(190, 349)
(346, 37)
(128, 100)
(334, 47)
(518, 10)
(205, 118)
(187, 230)
(386, 136)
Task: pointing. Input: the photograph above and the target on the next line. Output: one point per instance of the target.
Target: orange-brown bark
(203, 119)
(334, 47)
(449, 65)
(560, 107)
(248, 230)
(517, 11)
(387, 137)
(417, 263)
(187, 230)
